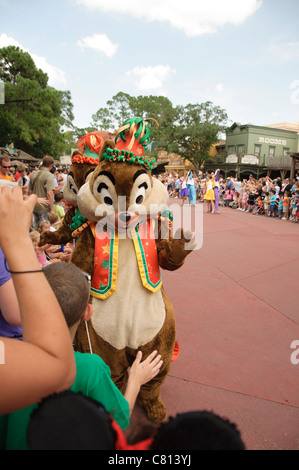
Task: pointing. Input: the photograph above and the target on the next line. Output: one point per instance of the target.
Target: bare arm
(141, 373)
(44, 362)
(50, 197)
(9, 305)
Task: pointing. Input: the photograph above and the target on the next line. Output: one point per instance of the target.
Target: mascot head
(121, 188)
(84, 161)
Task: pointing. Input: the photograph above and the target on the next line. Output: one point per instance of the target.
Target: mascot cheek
(87, 203)
(69, 195)
(158, 200)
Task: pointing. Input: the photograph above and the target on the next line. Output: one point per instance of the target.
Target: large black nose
(124, 217)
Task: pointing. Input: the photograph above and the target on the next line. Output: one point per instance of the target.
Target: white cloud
(100, 43)
(56, 75)
(285, 52)
(219, 87)
(194, 17)
(151, 77)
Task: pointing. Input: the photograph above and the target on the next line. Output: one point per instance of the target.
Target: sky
(243, 55)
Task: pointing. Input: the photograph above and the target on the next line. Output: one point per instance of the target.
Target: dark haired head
(70, 421)
(198, 430)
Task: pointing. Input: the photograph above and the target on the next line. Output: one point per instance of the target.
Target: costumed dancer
(209, 196)
(191, 188)
(216, 190)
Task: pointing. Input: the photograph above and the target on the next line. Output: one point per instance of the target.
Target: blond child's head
(35, 237)
(44, 225)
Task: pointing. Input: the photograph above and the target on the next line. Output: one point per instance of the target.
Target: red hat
(132, 138)
(90, 146)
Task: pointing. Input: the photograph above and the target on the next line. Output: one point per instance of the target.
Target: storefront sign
(232, 158)
(271, 141)
(250, 160)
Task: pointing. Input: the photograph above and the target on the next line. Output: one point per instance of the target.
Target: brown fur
(171, 255)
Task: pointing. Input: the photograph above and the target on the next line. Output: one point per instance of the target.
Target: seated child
(53, 252)
(39, 250)
(54, 221)
(93, 379)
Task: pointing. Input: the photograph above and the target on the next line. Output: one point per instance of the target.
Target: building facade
(257, 150)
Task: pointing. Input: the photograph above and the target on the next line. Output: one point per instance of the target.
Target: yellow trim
(114, 267)
(145, 283)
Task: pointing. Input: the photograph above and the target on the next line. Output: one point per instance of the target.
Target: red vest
(104, 278)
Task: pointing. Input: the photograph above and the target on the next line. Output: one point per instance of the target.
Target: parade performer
(209, 196)
(124, 207)
(216, 190)
(191, 188)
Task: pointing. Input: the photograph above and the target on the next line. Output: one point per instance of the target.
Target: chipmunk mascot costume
(84, 162)
(124, 206)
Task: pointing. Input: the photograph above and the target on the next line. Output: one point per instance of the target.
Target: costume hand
(143, 372)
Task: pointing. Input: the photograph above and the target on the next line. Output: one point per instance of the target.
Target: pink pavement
(236, 308)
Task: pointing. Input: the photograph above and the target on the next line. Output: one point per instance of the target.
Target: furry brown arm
(61, 236)
(172, 251)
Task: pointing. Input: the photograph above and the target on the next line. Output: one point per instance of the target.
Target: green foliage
(123, 106)
(199, 127)
(189, 130)
(34, 113)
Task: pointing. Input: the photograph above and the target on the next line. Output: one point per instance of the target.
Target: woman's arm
(9, 305)
(44, 362)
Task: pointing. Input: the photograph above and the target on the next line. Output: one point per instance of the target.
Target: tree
(123, 106)
(198, 128)
(33, 113)
(188, 130)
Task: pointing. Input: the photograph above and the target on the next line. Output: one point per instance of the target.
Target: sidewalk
(236, 307)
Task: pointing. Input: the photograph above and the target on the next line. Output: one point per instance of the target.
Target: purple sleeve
(4, 274)
(7, 330)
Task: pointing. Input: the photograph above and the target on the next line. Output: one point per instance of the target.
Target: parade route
(237, 316)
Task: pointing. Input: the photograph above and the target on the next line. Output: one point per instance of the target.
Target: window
(271, 151)
(285, 152)
(257, 150)
(241, 150)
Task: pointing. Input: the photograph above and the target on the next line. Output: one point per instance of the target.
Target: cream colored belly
(132, 315)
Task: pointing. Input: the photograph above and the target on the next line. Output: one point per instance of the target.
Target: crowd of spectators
(276, 198)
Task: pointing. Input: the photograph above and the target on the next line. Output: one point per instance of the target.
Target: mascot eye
(141, 193)
(106, 196)
(73, 188)
(71, 184)
(89, 174)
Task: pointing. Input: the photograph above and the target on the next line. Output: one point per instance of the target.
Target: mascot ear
(109, 143)
(76, 152)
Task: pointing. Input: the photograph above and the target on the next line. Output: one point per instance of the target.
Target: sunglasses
(3, 166)
(87, 277)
